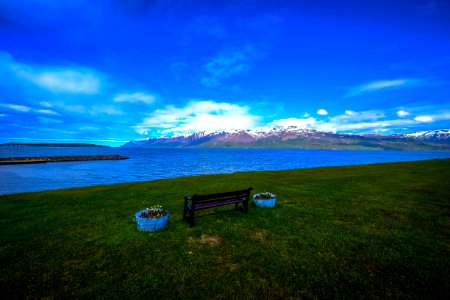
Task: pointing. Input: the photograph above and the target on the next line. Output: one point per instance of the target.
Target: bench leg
(188, 216)
(191, 218)
(245, 206)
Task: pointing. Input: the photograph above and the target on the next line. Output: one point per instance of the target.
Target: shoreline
(46, 159)
(194, 176)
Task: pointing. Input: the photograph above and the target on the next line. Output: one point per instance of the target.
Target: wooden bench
(199, 202)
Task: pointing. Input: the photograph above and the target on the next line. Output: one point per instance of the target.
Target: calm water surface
(150, 164)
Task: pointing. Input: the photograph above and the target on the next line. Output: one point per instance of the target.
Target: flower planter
(269, 202)
(150, 224)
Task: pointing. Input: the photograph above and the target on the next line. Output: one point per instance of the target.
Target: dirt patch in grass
(210, 240)
(345, 219)
(259, 236)
(205, 239)
(226, 264)
(228, 267)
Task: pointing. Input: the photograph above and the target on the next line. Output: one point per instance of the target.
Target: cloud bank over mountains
(212, 116)
(54, 83)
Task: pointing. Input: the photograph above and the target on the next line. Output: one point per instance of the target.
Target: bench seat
(199, 202)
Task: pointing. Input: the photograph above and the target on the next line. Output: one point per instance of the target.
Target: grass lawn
(374, 231)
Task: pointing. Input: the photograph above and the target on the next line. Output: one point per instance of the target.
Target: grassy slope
(380, 231)
(337, 144)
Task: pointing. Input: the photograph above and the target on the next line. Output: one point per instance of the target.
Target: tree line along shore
(46, 159)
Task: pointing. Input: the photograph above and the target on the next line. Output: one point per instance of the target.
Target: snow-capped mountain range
(300, 138)
(436, 136)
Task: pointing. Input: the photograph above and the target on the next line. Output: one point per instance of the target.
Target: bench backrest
(239, 194)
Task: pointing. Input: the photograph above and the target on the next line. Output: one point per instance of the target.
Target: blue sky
(107, 72)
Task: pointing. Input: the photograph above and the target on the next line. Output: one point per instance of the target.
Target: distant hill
(51, 145)
(300, 138)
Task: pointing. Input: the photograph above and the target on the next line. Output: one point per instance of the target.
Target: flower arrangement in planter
(152, 219)
(265, 199)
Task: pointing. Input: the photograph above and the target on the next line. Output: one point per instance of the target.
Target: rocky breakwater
(46, 159)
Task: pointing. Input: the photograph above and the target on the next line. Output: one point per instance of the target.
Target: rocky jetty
(46, 159)
(51, 145)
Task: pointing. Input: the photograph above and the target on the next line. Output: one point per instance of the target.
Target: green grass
(376, 231)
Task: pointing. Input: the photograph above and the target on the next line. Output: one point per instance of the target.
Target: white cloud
(135, 97)
(46, 111)
(322, 112)
(306, 123)
(211, 116)
(61, 80)
(58, 79)
(350, 112)
(377, 85)
(108, 110)
(424, 119)
(373, 86)
(198, 116)
(16, 107)
(375, 125)
(353, 121)
(402, 113)
(26, 109)
(89, 110)
(445, 115)
(302, 123)
(381, 130)
(45, 104)
(227, 63)
(375, 120)
(73, 108)
(353, 117)
(88, 128)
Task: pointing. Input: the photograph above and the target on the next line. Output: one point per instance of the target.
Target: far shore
(46, 159)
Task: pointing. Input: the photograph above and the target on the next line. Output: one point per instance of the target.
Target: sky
(107, 72)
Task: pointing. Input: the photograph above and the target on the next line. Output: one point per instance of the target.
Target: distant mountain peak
(301, 138)
(436, 136)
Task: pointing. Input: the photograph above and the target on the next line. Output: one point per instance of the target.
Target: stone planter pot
(150, 224)
(264, 202)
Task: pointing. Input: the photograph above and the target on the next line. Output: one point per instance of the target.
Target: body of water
(150, 164)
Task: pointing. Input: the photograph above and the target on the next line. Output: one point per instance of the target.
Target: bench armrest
(186, 199)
